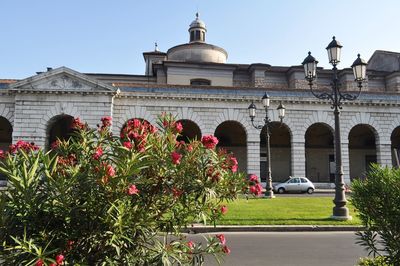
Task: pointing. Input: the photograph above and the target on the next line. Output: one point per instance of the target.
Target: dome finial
(156, 47)
(197, 15)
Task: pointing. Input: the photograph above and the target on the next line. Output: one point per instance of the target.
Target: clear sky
(104, 36)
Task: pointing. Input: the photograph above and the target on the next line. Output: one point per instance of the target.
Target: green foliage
(377, 199)
(378, 261)
(96, 199)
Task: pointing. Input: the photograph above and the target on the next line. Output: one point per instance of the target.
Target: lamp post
(336, 98)
(267, 121)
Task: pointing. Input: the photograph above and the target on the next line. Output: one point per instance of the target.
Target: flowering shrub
(97, 199)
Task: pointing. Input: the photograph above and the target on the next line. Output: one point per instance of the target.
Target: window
(192, 36)
(197, 35)
(303, 180)
(200, 82)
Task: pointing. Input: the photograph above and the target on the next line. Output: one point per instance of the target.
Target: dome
(197, 23)
(197, 52)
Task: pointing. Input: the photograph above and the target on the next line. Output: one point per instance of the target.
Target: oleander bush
(377, 200)
(99, 199)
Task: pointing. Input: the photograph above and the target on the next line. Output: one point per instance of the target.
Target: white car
(295, 184)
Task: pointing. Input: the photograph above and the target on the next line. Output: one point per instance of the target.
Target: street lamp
(336, 97)
(252, 113)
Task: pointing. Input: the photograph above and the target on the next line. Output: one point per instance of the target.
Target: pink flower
(178, 127)
(56, 144)
(23, 145)
(128, 145)
(234, 163)
(59, 259)
(110, 171)
(39, 262)
(209, 141)
(2, 154)
(189, 148)
(224, 209)
(190, 244)
(226, 250)
(176, 192)
(132, 190)
(106, 121)
(98, 153)
(77, 124)
(221, 239)
(176, 157)
(53, 264)
(256, 189)
(253, 178)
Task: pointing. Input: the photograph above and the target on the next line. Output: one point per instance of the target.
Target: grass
(284, 211)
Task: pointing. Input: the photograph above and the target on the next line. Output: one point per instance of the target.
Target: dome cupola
(197, 30)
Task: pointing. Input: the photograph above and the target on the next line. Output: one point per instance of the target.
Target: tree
(97, 199)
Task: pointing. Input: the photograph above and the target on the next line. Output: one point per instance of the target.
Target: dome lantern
(197, 30)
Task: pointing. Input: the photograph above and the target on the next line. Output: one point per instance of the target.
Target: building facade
(194, 82)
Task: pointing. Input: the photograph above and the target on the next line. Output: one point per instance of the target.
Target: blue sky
(110, 36)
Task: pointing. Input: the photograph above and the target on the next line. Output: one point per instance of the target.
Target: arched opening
(59, 128)
(280, 152)
(395, 140)
(319, 149)
(191, 131)
(5, 138)
(232, 137)
(362, 150)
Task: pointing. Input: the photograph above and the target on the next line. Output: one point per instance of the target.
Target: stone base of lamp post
(269, 195)
(341, 214)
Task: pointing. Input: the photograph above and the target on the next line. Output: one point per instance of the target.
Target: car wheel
(281, 190)
(310, 190)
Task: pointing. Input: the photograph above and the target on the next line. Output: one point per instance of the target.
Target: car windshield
(290, 178)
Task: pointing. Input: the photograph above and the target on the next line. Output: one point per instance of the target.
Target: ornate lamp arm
(256, 126)
(322, 96)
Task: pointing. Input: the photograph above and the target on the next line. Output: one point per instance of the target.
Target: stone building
(210, 96)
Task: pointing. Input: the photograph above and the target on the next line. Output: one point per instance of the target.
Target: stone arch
(319, 117)
(57, 110)
(395, 146)
(319, 153)
(362, 144)
(363, 118)
(232, 136)
(139, 112)
(58, 127)
(7, 114)
(232, 115)
(6, 130)
(186, 113)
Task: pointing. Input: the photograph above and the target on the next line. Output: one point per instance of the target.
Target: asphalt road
(291, 249)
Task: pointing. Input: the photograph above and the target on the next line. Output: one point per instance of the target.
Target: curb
(272, 228)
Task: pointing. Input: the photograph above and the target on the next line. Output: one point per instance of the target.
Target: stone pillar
(384, 153)
(298, 158)
(346, 161)
(253, 157)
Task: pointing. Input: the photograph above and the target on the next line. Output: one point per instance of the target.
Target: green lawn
(284, 211)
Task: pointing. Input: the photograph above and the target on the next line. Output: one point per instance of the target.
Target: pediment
(62, 79)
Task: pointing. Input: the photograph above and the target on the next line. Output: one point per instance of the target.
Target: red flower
(56, 144)
(110, 171)
(132, 190)
(128, 145)
(226, 250)
(2, 154)
(234, 163)
(253, 178)
(209, 141)
(106, 121)
(176, 157)
(136, 123)
(190, 244)
(98, 153)
(178, 127)
(59, 259)
(224, 209)
(77, 124)
(221, 239)
(53, 264)
(189, 148)
(256, 189)
(176, 192)
(23, 145)
(39, 262)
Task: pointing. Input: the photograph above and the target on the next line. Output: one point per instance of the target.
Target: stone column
(384, 153)
(346, 160)
(253, 157)
(298, 158)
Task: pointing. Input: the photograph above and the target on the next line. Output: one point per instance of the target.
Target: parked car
(295, 184)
